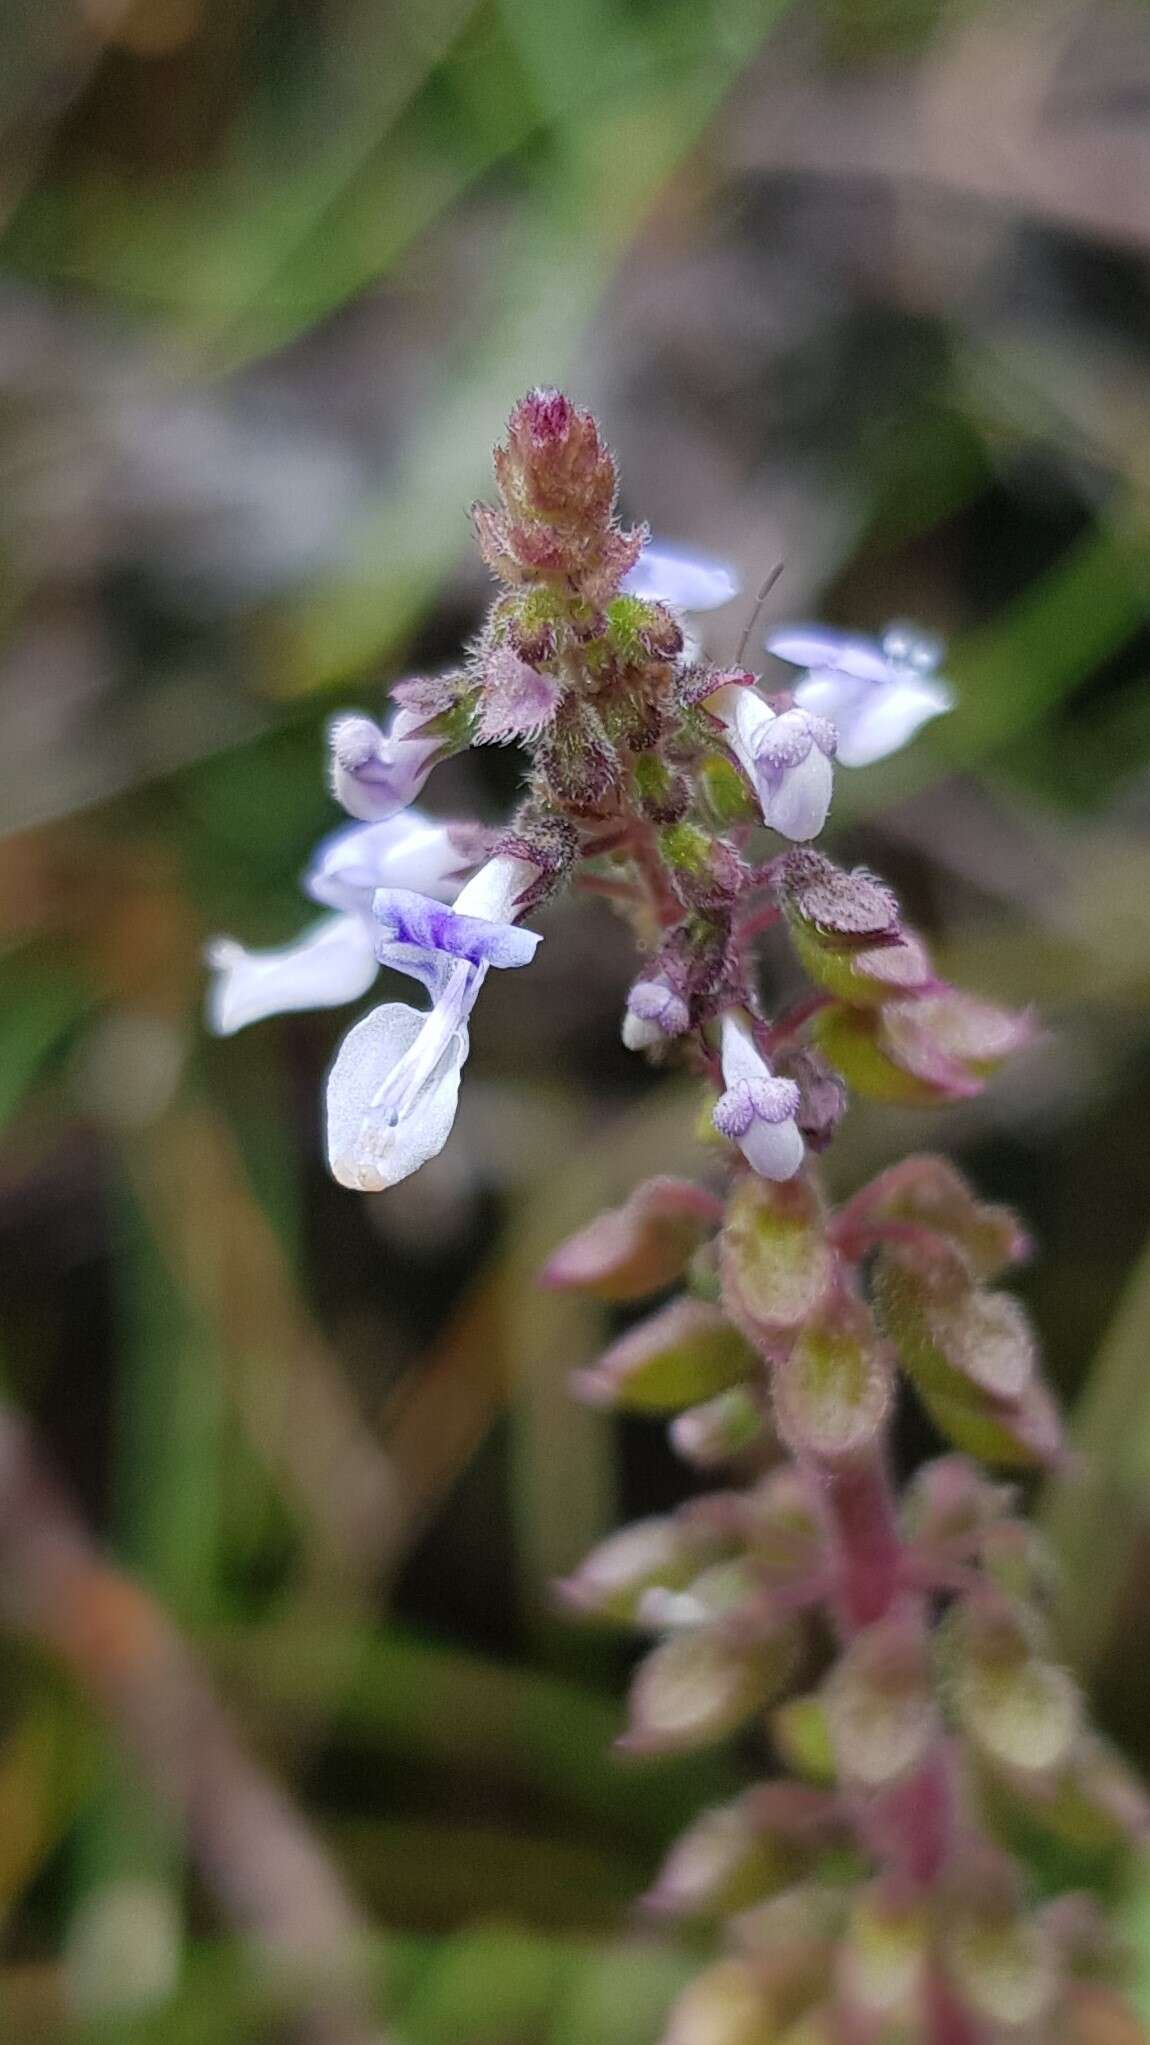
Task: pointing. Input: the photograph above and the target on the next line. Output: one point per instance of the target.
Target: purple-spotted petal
(332, 963)
(687, 583)
(655, 1011)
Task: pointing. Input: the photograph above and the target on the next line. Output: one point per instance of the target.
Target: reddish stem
(866, 1551)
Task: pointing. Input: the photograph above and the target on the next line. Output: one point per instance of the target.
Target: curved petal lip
(688, 583)
(807, 647)
(889, 721)
(332, 963)
(407, 850)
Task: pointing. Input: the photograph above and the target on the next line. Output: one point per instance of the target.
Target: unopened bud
(880, 1704)
(883, 1961)
(700, 1685)
(685, 1353)
(637, 1248)
(774, 1256)
(666, 1552)
(928, 1193)
(1003, 1963)
(945, 1326)
(554, 465)
(833, 1391)
(727, 2004)
(721, 1429)
(740, 1852)
(1019, 1708)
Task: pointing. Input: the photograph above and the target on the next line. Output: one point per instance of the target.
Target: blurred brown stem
(258, 1858)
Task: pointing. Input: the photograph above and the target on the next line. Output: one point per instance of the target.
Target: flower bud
(945, 1325)
(726, 2004)
(721, 1429)
(784, 1531)
(1004, 1964)
(775, 1260)
(685, 1353)
(637, 1248)
(833, 1390)
(738, 1853)
(664, 795)
(554, 465)
(883, 1962)
(950, 1504)
(921, 1052)
(666, 1552)
(791, 1940)
(822, 1095)
(546, 841)
(801, 1736)
(576, 760)
(880, 1704)
(701, 1684)
(956, 1347)
(516, 701)
(928, 1193)
(1019, 1709)
(839, 910)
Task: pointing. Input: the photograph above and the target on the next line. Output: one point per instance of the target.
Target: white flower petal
(809, 646)
(796, 804)
(686, 583)
(888, 718)
(640, 1035)
(404, 851)
(366, 1150)
(332, 963)
(741, 1060)
(773, 1149)
(495, 890)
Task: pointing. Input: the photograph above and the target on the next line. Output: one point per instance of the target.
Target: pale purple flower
(876, 694)
(335, 960)
(686, 582)
(374, 773)
(655, 1011)
(392, 1091)
(786, 757)
(757, 1110)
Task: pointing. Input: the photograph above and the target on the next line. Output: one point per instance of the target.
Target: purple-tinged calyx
(517, 701)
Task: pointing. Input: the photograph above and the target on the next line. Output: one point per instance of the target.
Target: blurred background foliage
(861, 285)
